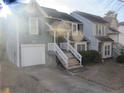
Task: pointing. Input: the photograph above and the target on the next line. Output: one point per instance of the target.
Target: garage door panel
(32, 55)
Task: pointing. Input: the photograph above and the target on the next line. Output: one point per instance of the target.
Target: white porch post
(54, 36)
(68, 41)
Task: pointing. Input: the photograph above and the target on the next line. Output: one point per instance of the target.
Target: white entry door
(32, 54)
(107, 50)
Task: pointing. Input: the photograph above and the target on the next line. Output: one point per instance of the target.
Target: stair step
(73, 62)
(69, 54)
(74, 67)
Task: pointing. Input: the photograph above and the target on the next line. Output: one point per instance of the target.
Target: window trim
(100, 30)
(81, 43)
(37, 26)
(73, 27)
(107, 50)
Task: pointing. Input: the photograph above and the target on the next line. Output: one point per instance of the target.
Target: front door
(107, 50)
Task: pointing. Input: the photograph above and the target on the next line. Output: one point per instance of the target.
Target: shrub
(120, 59)
(90, 57)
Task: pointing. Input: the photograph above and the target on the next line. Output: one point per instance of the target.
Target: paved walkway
(60, 81)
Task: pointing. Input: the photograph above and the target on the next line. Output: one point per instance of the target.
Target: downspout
(18, 44)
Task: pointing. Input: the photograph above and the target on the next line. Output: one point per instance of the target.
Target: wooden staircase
(69, 58)
(72, 61)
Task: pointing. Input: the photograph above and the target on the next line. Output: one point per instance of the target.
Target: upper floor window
(33, 25)
(77, 27)
(74, 27)
(100, 30)
(80, 27)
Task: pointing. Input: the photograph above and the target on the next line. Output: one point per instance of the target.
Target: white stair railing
(72, 50)
(117, 48)
(51, 47)
(63, 46)
(59, 53)
(75, 53)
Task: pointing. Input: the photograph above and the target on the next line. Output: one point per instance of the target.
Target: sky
(96, 7)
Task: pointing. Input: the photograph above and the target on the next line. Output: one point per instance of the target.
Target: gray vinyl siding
(11, 39)
(89, 30)
(43, 37)
(19, 22)
(121, 34)
(2, 39)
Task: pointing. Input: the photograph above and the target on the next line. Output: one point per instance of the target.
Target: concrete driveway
(60, 81)
(39, 79)
(109, 74)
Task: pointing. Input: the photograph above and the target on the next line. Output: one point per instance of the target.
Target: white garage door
(32, 54)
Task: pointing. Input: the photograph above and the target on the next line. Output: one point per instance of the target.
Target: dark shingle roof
(92, 18)
(56, 14)
(114, 30)
(121, 23)
(103, 39)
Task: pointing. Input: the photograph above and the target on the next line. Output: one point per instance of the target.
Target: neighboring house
(121, 35)
(30, 35)
(99, 33)
(111, 18)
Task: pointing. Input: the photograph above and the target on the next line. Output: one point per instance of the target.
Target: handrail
(51, 47)
(75, 53)
(59, 53)
(118, 45)
(117, 48)
(72, 50)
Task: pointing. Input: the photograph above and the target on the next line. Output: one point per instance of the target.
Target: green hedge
(120, 59)
(90, 57)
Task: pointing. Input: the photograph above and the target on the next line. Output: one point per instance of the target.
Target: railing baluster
(72, 50)
(60, 54)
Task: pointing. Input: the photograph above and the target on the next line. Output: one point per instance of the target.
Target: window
(80, 27)
(103, 30)
(74, 27)
(33, 25)
(100, 29)
(97, 29)
(107, 50)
